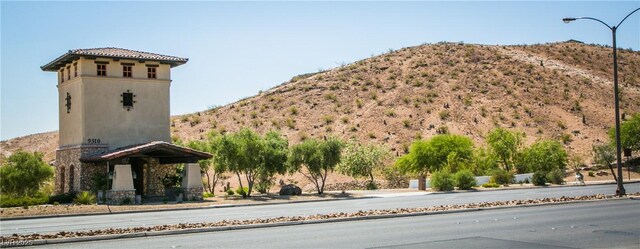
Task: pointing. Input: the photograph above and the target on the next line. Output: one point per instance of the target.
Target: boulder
(290, 189)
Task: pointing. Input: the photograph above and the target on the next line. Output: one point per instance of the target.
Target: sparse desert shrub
(390, 113)
(490, 185)
(328, 119)
(464, 179)
(345, 120)
(290, 123)
(539, 178)
(406, 123)
(293, 110)
(501, 176)
(330, 96)
(467, 101)
(566, 138)
(444, 114)
(442, 181)
(561, 125)
(442, 130)
(555, 176)
(242, 191)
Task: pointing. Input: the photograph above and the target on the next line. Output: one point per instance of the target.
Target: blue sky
(236, 49)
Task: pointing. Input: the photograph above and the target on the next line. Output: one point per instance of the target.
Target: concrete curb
(177, 209)
(530, 187)
(295, 223)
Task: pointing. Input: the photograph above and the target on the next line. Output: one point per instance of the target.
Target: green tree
(437, 153)
(23, 173)
(362, 160)
(484, 162)
(251, 155)
(275, 154)
(629, 133)
(505, 144)
(213, 171)
(605, 154)
(315, 159)
(545, 155)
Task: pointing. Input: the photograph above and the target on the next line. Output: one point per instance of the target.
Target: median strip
(182, 228)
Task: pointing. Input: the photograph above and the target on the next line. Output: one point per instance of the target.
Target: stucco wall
(106, 119)
(69, 123)
(98, 114)
(87, 67)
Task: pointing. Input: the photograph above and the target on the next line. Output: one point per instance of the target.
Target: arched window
(62, 182)
(71, 177)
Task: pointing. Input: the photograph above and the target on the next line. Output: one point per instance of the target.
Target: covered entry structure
(140, 169)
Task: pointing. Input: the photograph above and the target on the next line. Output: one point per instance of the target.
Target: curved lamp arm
(625, 18)
(571, 19)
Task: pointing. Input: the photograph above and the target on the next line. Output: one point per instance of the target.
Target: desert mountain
(559, 90)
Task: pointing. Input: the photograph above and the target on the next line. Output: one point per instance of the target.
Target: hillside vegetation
(544, 91)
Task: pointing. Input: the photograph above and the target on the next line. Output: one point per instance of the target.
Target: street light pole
(620, 191)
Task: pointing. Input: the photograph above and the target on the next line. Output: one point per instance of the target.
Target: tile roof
(110, 52)
(157, 148)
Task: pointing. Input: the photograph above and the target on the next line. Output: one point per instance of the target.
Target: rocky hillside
(559, 90)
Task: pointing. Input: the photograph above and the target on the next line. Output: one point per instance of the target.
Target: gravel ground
(341, 215)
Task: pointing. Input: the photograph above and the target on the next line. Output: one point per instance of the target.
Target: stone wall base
(193, 194)
(120, 197)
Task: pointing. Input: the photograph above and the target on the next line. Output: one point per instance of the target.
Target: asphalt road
(603, 224)
(51, 225)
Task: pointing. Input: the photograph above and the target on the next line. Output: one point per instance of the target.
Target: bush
(501, 177)
(263, 185)
(100, 181)
(395, 178)
(464, 179)
(126, 201)
(490, 185)
(207, 195)
(23, 173)
(442, 181)
(539, 178)
(543, 156)
(555, 176)
(62, 198)
(242, 191)
(85, 198)
(8, 201)
(230, 192)
(371, 186)
(591, 174)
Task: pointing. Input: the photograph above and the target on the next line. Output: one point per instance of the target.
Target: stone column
(192, 182)
(122, 190)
